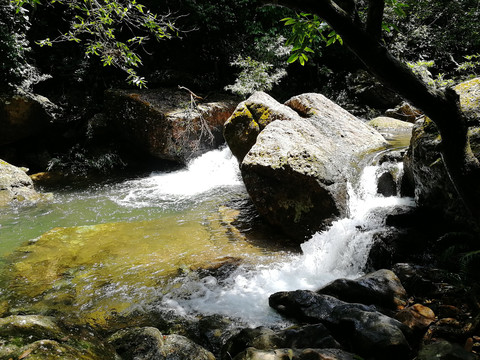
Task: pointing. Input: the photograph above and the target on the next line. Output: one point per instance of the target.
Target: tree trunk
(442, 107)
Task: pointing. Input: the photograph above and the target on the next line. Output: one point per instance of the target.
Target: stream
(106, 253)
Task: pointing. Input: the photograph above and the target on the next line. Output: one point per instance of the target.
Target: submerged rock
(16, 185)
(297, 171)
(165, 123)
(444, 350)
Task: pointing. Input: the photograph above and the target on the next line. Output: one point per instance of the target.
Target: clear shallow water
(107, 251)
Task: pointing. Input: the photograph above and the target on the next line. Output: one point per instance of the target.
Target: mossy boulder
(297, 171)
(41, 338)
(167, 124)
(250, 118)
(385, 123)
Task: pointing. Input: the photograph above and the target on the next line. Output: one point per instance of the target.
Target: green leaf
(302, 61)
(292, 58)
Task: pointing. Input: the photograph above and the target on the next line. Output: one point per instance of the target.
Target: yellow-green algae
(93, 273)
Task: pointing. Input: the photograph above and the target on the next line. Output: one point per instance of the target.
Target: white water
(213, 170)
(340, 251)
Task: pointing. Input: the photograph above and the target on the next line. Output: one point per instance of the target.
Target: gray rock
(295, 354)
(164, 124)
(386, 185)
(297, 171)
(250, 118)
(385, 123)
(381, 288)
(16, 185)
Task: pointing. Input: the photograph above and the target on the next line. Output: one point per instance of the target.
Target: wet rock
(444, 350)
(40, 337)
(386, 185)
(214, 331)
(404, 112)
(417, 317)
(296, 174)
(165, 123)
(357, 327)
(149, 343)
(262, 338)
(385, 123)
(34, 327)
(16, 186)
(250, 118)
(381, 288)
(22, 116)
(295, 354)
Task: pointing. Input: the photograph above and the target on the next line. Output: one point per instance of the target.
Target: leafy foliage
(16, 69)
(260, 75)
(112, 30)
(308, 30)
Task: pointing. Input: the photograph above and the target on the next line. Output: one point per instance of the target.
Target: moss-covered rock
(250, 118)
(385, 123)
(424, 165)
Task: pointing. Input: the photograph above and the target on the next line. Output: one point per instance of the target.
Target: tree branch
(375, 18)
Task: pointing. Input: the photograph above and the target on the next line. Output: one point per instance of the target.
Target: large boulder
(22, 116)
(167, 124)
(297, 171)
(250, 118)
(16, 186)
(424, 165)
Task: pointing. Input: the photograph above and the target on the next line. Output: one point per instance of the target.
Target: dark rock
(358, 327)
(381, 288)
(250, 118)
(296, 174)
(165, 124)
(22, 116)
(262, 338)
(444, 350)
(295, 354)
(386, 185)
(424, 165)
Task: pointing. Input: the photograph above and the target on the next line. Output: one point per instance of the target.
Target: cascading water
(340, 251)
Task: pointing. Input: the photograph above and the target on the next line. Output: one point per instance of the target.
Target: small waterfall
(213, 170)
(340, 251)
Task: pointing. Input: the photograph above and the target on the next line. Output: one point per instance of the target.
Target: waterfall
(340, 251)
(213, 170)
